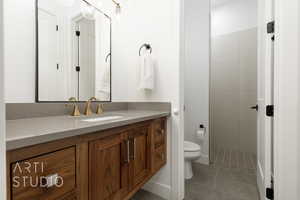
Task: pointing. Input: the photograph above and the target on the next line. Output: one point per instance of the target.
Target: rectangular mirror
(73, 51)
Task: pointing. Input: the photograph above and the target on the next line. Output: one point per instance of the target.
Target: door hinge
(77, 33)
(77, 68)
(271, 27)
(270, 110)
(270, 193)
(56, 27)
(273, 38)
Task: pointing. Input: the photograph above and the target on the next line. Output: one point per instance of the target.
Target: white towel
(146, 72)
(104, 83)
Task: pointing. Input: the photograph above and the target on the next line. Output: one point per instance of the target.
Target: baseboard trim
(162, 190)
(260, 182)
(204, 159)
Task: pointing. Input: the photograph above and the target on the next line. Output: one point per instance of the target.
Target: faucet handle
(93, 99)
(99, 109)
(76, 111)
(72, 99)
(88, 110)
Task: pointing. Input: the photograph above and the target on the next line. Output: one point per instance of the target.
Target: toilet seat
(191, 147)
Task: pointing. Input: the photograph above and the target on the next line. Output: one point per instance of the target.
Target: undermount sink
(99, 119)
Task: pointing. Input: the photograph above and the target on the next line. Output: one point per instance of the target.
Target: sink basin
(100, 119)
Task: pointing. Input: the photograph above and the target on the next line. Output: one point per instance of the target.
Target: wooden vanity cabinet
(109, 168)
(108, 165)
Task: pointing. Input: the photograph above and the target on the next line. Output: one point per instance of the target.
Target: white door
(265, 97)
(87, 59)
(48, 56)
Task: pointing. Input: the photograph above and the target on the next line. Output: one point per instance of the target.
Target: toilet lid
(190, 146)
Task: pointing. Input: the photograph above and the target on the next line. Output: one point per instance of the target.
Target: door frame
(74, 79)
(76, 51)
(177, 120)
(265, 123)
(287, 100)
(2, 112)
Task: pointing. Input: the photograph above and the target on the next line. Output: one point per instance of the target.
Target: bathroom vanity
(111, 163)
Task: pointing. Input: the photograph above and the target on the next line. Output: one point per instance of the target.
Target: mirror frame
(37, 56)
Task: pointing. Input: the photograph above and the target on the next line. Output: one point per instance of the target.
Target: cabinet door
(109, 168)
(51, 176)
(140, 148)
(159, 146)
(159, 133)
(159, 158)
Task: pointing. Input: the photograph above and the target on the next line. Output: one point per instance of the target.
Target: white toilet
(192, 152)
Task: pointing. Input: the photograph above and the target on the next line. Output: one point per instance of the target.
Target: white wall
(19, 51)
(2, 114)
(197, 64)
(233, 16)
(155, 22)
(139, 24)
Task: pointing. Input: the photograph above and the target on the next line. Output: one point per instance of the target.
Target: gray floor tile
(221, 183)
(144, 195)
(226, 158)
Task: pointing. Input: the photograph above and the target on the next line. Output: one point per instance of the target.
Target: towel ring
(106, 58)
(147, 47)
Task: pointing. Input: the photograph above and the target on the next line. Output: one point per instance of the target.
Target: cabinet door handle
(131, 149)
(162, 156)
(128, 151)
(161, 132)
(134, 148)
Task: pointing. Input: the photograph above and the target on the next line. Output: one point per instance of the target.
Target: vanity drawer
(160, 158)
(51, 176)
(159, 133)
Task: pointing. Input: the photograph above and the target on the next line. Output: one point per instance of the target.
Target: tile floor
(232, 159)
(144, 195)
(219, 183)
(232, 177)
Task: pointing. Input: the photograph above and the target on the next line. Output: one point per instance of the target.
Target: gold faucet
(76, 111)
(88, 110)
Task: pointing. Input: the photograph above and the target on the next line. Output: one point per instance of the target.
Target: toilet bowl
(192, 152)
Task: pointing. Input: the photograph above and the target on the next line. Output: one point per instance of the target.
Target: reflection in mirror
(74, 51)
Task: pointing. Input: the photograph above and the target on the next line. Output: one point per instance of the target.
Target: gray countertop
(30, 131)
